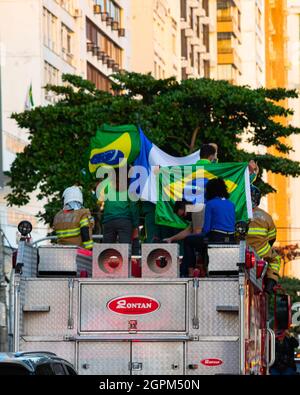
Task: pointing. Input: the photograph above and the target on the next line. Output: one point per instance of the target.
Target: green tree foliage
(178, 117)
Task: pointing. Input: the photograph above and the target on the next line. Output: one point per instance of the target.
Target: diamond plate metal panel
(96, 317)
(223, 257)
(107, 358)
(151, 262)
(213, 353)
(211, 294)
(57, 259)
(111, 260)
(65, 350)
(53, 293)
(30, 261)
(158, 358)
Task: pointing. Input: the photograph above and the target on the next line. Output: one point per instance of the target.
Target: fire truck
(110, 313)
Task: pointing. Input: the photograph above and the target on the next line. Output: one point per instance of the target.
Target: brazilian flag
(113, 146)
(191, 181)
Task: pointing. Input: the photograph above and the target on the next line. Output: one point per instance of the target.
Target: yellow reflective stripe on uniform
(257, 232)
(68, 232)
(84, 222)
(275, 267)
(264, 250)
(88, 244)
(272, 233)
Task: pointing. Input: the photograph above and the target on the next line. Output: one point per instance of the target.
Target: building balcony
(229, 56)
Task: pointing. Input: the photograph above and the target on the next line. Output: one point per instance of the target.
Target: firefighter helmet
(255, 196)
(72, 194)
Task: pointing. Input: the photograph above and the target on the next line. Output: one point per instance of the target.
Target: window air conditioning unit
(121, 32)
(95, 49)
(109, 20)
(110, 63)
(97, 9)
(104, 16)
(89, 46)
(115, 25)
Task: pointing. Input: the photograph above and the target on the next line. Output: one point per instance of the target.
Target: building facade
(293, 33)
(39, 41)
(229, 40)
(252, 47)
(154, 37)
(198, 33)
(277, 76)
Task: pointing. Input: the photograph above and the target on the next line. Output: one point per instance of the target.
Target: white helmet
(72, 194)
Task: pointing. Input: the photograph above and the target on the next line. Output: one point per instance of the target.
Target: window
(70, 371)
(184, 49)
(206, 37)
(58, 369)
(206, 65)
(183, 12)
(11, 369)
(66, 4)
(100, 80)
(192, 56)
(51, 74)
(111, 8)
(51, 77)
(50, 30)
(66, 43)
(44, 370)
(103, 43)
(205, 6)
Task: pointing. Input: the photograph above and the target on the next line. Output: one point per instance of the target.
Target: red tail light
(136, 269)
(83, 274)
(250, 260)
(113, 262)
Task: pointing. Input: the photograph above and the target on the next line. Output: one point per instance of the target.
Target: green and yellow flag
(175, 183)
(113, 146)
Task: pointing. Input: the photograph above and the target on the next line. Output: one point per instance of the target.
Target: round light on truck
(25, 228)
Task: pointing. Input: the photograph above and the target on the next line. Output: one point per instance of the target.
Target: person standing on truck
(121, 215)
(219, 225)
(74, 224)
(261, 237)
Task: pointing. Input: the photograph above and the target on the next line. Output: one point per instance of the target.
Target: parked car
(39, 363)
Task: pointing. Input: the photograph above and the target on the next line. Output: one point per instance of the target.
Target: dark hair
(216, 188)
(180, 205)
(207, 150)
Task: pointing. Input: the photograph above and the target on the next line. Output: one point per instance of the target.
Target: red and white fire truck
(106, 319)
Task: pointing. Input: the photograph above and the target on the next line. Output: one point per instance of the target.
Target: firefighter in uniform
(74, 224)
(261, 237)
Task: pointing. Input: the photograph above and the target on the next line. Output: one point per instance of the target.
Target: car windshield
(11, 369)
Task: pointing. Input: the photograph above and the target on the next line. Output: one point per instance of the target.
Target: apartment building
(293, 33)
(229, 40)
(198, 30)
(276, 76)
(252, 47)
(39, 41)
(154, 37)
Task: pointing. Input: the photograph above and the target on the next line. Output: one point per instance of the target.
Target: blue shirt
(219, 215)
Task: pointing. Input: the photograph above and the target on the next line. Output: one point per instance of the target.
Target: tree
(178, 117)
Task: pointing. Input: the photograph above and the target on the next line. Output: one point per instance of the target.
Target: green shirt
(202, 162)
(118, 205)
